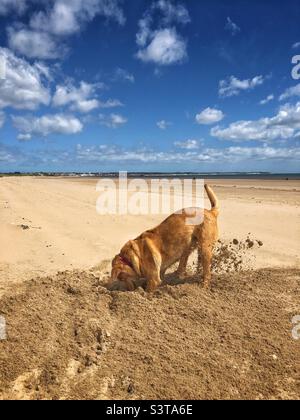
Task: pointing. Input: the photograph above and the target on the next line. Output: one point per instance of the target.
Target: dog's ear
(114, 261)
(115, 269)
(135, 257)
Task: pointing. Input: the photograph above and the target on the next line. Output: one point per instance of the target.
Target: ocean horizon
(188, 175)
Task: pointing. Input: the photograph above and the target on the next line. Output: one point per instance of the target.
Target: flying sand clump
(234, 256)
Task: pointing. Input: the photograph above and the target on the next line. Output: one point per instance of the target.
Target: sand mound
(69, 337)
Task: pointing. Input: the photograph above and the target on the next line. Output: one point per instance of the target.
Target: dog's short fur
(152, 253)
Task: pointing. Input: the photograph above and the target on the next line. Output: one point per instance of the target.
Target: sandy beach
(65, 232)
(50, 225)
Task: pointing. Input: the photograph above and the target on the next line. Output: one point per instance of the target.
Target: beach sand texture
(69, 337)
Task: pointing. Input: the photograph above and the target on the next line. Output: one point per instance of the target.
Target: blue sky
(102, 85)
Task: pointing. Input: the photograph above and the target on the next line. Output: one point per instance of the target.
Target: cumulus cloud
(47, 124)
(166, 47)
(163, 124)
(48, 28)
(81, 99)
(34, 44)
(188, 144)
(112, 120)
(296, 45)
(290, 92)
(285, 125)
(232, 27)
(162, 45)
(267, 100)
(209, 116)
(25, 85)
(67, 17)
(233, 86)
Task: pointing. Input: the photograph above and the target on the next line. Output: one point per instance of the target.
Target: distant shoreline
(147, 175)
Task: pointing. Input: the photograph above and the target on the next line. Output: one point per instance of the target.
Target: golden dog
(152, 253)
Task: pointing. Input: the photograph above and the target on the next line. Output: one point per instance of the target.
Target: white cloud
(169, 14)
(24, 137)
(108, 153)
(163, 124)
(44, 36)
(47, 124)
(166, 47)
(112, 120)
(81, 99)
(85, 106)
(292, 91)
(232, 27)
(296, 45)
(209, 116)
(233, 86)
(34, 44)
(188, 144)
(261, 153)
(67, 17)
(163, 45)
(285, 125)
(23, 87)
(267, 100)
(8, 6)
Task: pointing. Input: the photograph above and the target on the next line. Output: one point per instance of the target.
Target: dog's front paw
(152, 285)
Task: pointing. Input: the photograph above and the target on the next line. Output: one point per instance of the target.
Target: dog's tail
(215, 205)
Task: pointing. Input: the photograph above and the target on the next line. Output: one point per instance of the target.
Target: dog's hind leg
(181, 271)
(206, 257)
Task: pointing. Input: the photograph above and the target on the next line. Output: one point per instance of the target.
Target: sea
(153, 175)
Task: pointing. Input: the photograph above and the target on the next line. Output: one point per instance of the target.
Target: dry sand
(69, 337)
